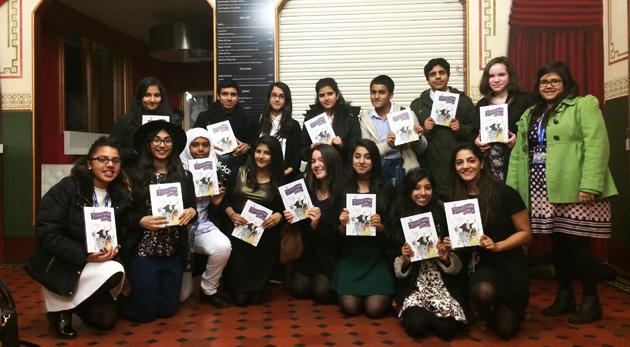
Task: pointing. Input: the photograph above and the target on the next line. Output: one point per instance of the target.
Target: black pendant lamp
(181, 42)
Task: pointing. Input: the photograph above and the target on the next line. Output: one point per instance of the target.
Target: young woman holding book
(73, 280)
(342, 117)
(363, 278)
(154, 252)
(431, 293)
(498, 279)
(204, 236)
(312, 272)
(250, 267)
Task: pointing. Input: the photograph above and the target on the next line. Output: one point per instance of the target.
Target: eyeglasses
(156, 141)
(277, 96)
(104, 160)
(554, 83)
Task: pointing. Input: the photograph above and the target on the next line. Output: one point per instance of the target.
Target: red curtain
(568, 30)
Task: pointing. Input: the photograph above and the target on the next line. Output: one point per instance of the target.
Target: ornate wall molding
(487, 29)
(11, 58)
(21, 102)
(475, 94)
(617, 32)
(616, 88)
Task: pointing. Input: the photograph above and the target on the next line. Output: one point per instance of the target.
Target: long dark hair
(341, 102)
(277, 167)
(146, 170)
(570, 90)
(286, 123)
(457, 189)
(137, 110)
(514, 82)
(332, 163)
(376, 181)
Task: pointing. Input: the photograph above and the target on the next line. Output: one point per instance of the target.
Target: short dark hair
(228, 83)
(435, 62)
(384, 80)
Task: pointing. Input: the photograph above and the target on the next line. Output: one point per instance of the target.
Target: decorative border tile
(616, 88)
(14, 40)
(17, 102)
(474, 94)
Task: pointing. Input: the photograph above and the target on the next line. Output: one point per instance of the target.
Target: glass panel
(76, 98)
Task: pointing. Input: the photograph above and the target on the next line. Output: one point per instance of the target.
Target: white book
(296, 199)
(146, 118)
(319, 129)
(255, 215)
(444, 107)
(204, 174)
(494, 123)
(360, 208)
(401, 123)
(222, 135)
(166, 200)
(100, 228)
(464, 222)
(421, 235)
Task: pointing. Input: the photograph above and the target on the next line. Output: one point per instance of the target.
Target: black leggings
(574, 252)
(490, 305)
(316, 287)
(375, 306)
(242, 299)
(418, 322)
(99, 310)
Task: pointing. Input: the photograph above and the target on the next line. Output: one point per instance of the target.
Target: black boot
(590, 310)
(61, 323)
(565, 303)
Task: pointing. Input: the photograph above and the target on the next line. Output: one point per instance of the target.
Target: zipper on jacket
(50, 264)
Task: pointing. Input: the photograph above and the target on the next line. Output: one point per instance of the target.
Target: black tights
(242, 299)
(99, 310)
(489, 303)
(375, 306)
(316, 287)
(572, 251)
(418, 322)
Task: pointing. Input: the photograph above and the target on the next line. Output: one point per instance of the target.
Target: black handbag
(9, 335)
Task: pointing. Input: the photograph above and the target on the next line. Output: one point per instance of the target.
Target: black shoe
(590, 311)
(565, 303)
(61, 322)
(216, 299)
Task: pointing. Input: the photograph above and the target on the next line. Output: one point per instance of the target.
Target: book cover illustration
(166, 200)
(100, 229)
(146, 118)
(401, 123)
(296, 199)
(360, 208)
(464, 222)
(222, 135)
(204, 173)
(319, 129)
(444, 107)
(252, 231)
(421, 235)
(494, 123)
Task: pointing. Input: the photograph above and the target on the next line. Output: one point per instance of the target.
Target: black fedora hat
(177, 134)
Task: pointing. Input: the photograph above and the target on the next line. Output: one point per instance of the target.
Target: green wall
(17, 174)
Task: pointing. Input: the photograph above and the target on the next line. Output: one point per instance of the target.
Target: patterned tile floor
(283, 321)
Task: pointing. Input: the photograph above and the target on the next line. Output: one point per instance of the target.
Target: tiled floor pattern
(283, 321)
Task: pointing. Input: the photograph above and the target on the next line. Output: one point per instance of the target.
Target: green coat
(577, 153)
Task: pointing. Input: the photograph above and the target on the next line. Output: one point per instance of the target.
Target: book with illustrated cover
(319, 129)
(421, 235)
(444, 107)
(360, 208)
(255, 215)
(401, 123)
(494, 123)
(204, 173)
(146, 118)
(464, 222)
(222, 135)
(100, 229)
(296, 199)
(166, 200)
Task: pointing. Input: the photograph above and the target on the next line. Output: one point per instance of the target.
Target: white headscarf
(191, 135)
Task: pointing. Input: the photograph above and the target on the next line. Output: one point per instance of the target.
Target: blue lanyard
(541, 131)
(96, 200)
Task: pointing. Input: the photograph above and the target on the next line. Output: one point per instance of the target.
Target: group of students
(568, 198)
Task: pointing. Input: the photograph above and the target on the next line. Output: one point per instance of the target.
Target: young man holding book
(375, 126)
(442, 139)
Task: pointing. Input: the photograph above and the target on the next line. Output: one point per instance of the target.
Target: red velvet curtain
(568, 30)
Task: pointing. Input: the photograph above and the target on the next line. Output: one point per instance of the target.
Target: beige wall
(615, 48)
